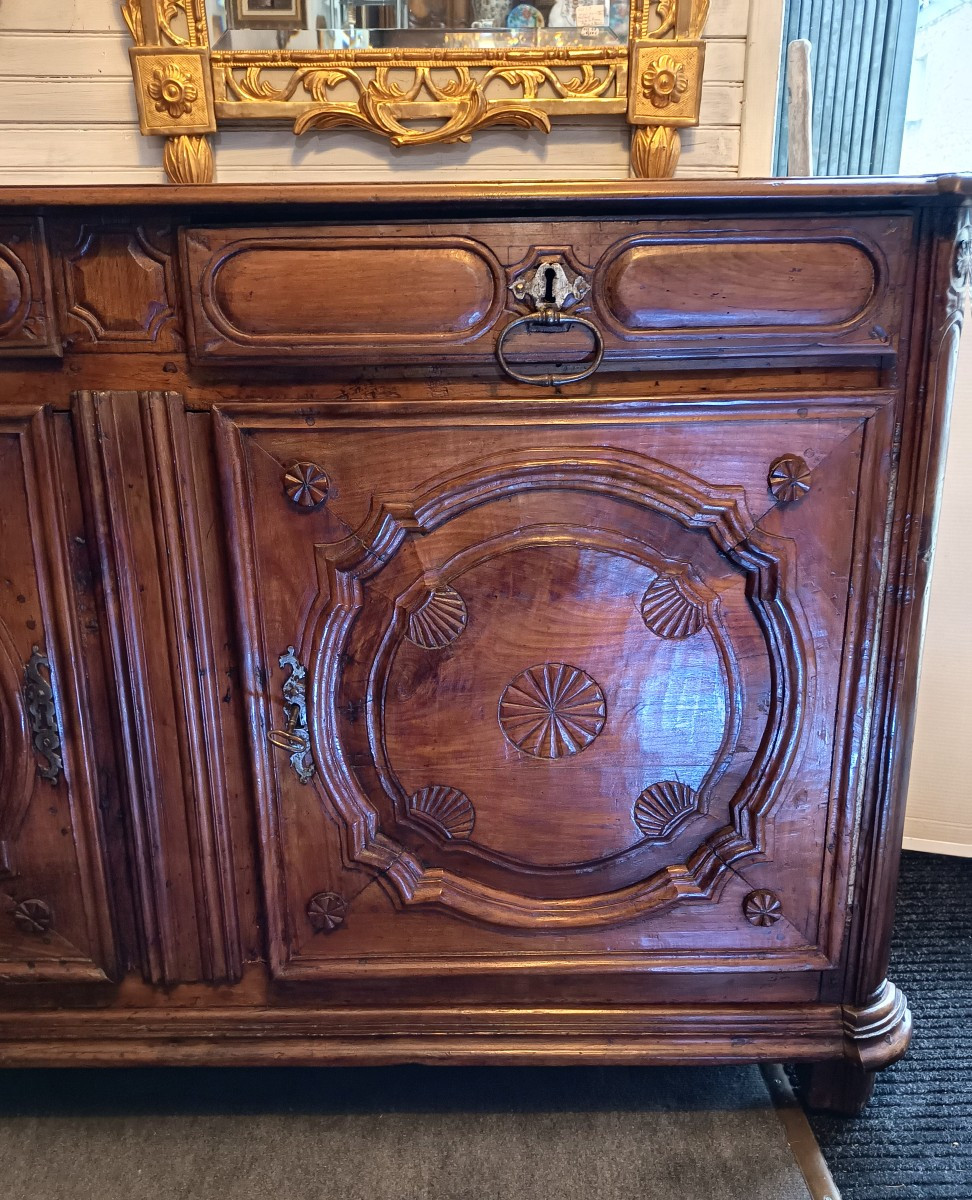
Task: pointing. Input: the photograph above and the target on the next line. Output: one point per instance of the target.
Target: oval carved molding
(718, 514)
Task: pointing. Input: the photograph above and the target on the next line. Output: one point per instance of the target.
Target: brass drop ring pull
(551, 321)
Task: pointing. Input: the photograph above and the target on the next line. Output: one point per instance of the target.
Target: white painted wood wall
(67, 115)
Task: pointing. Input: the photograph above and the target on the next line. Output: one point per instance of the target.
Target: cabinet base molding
(373, 1036)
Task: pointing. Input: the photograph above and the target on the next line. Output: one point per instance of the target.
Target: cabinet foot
(876, 1035)
(840, 1087)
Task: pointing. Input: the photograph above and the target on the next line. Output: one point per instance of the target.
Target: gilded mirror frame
(186, 90)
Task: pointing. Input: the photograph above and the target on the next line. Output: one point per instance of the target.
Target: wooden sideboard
(361, 703)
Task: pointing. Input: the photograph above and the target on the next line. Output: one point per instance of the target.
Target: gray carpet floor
(914, 1141)
(411, 1133)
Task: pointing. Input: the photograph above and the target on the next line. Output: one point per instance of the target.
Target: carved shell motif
(447, 810)
(439, 620)
(662, 808)
(669, 610)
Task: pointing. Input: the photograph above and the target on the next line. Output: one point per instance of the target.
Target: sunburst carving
(447, 810)
(661, 809)
(439, 620)
(789, 478)
(762, 909)
(552, 710)
(326, 911)
(306, 485)
(669, 610)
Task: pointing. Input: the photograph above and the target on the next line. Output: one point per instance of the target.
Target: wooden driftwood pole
(799, 112)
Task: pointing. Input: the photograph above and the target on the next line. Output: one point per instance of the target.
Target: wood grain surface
(407, 712)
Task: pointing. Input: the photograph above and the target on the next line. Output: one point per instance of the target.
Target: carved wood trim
(917, 467)
(27, 316)
(61, 639)
(720, 514)
(552, 1034)
(135, 452)
(118, 286)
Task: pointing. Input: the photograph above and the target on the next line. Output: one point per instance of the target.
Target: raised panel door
(556, 691)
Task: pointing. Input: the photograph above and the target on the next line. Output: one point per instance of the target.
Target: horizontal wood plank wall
(67, 114)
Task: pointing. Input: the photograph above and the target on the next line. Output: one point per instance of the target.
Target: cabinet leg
(840, 1087)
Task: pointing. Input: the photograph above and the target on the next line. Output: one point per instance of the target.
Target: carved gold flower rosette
(414, 97)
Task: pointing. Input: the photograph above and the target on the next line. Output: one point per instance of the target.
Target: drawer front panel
(441, 293)
(332, 293)
(545, 699)
(726, 285)
(27, 324)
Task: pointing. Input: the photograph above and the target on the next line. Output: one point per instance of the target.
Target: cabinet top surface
(517, 196)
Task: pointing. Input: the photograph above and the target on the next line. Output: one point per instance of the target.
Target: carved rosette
(326, 911)
(665, 81)
(762, 908)
(33, 917)
(306, 485)
(789, 478)
(173, 90)
(552, 711)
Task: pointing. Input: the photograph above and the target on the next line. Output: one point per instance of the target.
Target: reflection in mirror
(295, 25)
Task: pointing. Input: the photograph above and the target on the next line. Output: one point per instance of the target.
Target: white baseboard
(929, 846)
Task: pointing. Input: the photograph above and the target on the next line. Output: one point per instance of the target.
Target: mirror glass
(296, 25)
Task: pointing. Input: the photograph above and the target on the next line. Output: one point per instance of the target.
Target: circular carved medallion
(326, 911)
(789, 478)
(306, 484)
(762, 908)
(552, 710)
(33, 917)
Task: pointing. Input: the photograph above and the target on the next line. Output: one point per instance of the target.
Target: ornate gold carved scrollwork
(184, 87)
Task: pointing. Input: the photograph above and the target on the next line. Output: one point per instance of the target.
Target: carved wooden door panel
(534, 692)
(54, 915)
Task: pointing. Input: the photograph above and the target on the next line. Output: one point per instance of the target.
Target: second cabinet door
(555, 693)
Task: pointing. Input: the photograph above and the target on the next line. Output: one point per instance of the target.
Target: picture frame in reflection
(268, 14)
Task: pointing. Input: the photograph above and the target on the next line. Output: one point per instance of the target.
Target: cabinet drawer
(27, 323)
(558, 695)
(441, 293)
